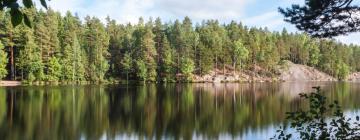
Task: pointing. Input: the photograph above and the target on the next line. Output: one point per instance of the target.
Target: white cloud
(271, 20)
(130, 10)
(353, 38)
(224, 10)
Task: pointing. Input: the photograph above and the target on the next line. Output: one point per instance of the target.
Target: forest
(65, 48)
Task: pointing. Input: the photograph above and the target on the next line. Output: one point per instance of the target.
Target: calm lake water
(171, 111)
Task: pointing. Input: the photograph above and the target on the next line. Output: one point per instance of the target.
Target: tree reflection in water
(154, 111)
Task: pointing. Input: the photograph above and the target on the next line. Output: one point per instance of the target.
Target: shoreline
(19, 83)
(10, 83)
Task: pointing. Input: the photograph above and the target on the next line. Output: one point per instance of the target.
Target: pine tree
(72, 61)
(240, 53)
(72, 55)
(205, 59)
(7, 31)
(126, 64)
(187, 67)
(149, 53)
(3, 62)
(141, 70)
(96, 43)
(116, 34)
(253, 45)
(155, 51)
(29, 60)
(314, 54)
(145, 49)
(166, 61)
(176, 42)
(343, 70)
(79, 61)
(54, 70)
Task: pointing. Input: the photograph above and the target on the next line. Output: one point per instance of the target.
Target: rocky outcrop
(354, 77)
(229, 75)
(10, 83)
(286, 72)
(296, 72)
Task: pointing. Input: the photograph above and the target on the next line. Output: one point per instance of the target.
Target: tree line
(66, 48)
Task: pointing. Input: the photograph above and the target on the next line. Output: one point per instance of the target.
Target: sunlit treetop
(324, 18)
(17, 16)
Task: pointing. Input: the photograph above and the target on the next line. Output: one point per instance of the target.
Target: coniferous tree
(96, 45)
(3, 62)
(126, 64)
(141, 70)
(155, 51)
(115, 46)
(205, 59)
(29, 60)
(145, 49)
(8, 31)
(187, 68)
(314, 52)
(240, 53)
(166, 61)
(79, 61)
(54, 70)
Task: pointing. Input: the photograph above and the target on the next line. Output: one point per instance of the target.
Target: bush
(320, 121)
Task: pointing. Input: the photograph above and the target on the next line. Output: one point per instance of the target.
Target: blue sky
(259, 13)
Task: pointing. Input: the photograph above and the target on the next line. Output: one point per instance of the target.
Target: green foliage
(54, 69)
(240, 53)
(324, 18)
(166, 61)
(72, 62)
(314, 52)
(3, 62)
(92, 51)
(126, 64)
(141, 70)
(17, 16)
(29, 60)
(313, 123)
(343, 70)
(187, 67)
(96, 44)
(205, 59)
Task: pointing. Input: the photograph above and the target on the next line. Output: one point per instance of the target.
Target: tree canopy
(64, 48)
(18, 16)
(324, 18)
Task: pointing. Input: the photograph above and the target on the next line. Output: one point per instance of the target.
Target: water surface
(171, 111)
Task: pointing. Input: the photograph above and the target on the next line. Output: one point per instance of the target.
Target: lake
(157, 111)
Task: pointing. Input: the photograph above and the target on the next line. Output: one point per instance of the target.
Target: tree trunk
(215, 65)
(127, 77)
(224, 68)
(22, 74)
(12, 63)
(234, 66)
(178, 64)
